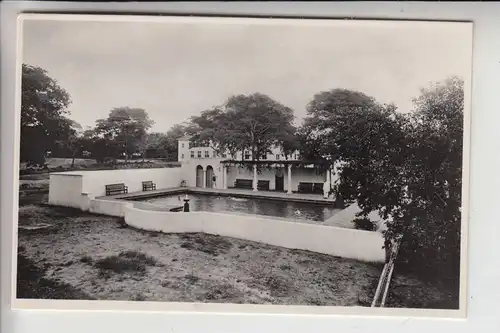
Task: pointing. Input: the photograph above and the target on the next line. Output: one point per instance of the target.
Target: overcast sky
(175, 70)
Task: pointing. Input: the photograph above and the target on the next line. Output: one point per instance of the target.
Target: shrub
(364, 224)
(138, 297)
(121, 223)
(138, 256)
(209, 244)
(86, 259)
(277, 286)
(126, 261)
(221, 292)
(120, 265)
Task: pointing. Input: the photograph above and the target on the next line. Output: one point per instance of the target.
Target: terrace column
(204, 183)
(289, 188)
(224, 175)
(255, 177)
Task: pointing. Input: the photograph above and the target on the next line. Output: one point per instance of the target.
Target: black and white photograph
(246, 161)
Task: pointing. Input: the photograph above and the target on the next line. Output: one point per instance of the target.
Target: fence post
(388, 250)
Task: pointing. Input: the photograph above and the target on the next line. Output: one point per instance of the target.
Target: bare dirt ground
(94, 257)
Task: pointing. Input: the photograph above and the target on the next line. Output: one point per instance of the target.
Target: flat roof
(292, 162)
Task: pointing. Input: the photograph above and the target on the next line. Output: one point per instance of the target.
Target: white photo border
(9, 185)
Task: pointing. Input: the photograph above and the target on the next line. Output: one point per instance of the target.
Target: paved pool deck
(269, 195)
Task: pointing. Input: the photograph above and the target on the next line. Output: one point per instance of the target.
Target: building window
(277, 156)
(263, 157)
(182, 156)
(192, 154)
(207, 154)
(199, 153)
(215, 154)
(182, 145)
(223, 155)
(247, 155)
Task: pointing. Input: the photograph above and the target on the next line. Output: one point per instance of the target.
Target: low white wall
(65, 190)
(71, 188)
(108, 207)
(154, 207)
(94, 181)
(347, 243)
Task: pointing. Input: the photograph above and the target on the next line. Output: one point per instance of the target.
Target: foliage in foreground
(364, 223)
(406, 166)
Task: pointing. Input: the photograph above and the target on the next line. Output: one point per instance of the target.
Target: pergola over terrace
(323, 165)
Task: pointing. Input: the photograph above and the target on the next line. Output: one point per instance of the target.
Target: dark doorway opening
(280, 183)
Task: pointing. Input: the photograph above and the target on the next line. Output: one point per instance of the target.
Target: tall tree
(329, 115)
(172, 136)
(408, 167)
(156, 145)
(362, 137)
(431, 217)
(288, 141)
(254, 123)
(165, 144)
(70, 142)
(126, 128)
(44, 107)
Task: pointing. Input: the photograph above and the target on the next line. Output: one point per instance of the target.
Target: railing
(385, 278)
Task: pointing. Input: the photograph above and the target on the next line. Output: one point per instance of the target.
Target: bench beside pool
(243, 183)
(310, 188)
(262, 185)
(116, 189)
(148, 186)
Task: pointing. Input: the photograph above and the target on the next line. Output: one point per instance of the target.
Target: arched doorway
(210, 177)
(199, 176)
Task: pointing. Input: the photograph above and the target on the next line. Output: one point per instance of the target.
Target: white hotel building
(203, 167)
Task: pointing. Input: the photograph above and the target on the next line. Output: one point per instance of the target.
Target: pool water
(275, 208)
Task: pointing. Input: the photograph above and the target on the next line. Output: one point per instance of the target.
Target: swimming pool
(283, 209)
